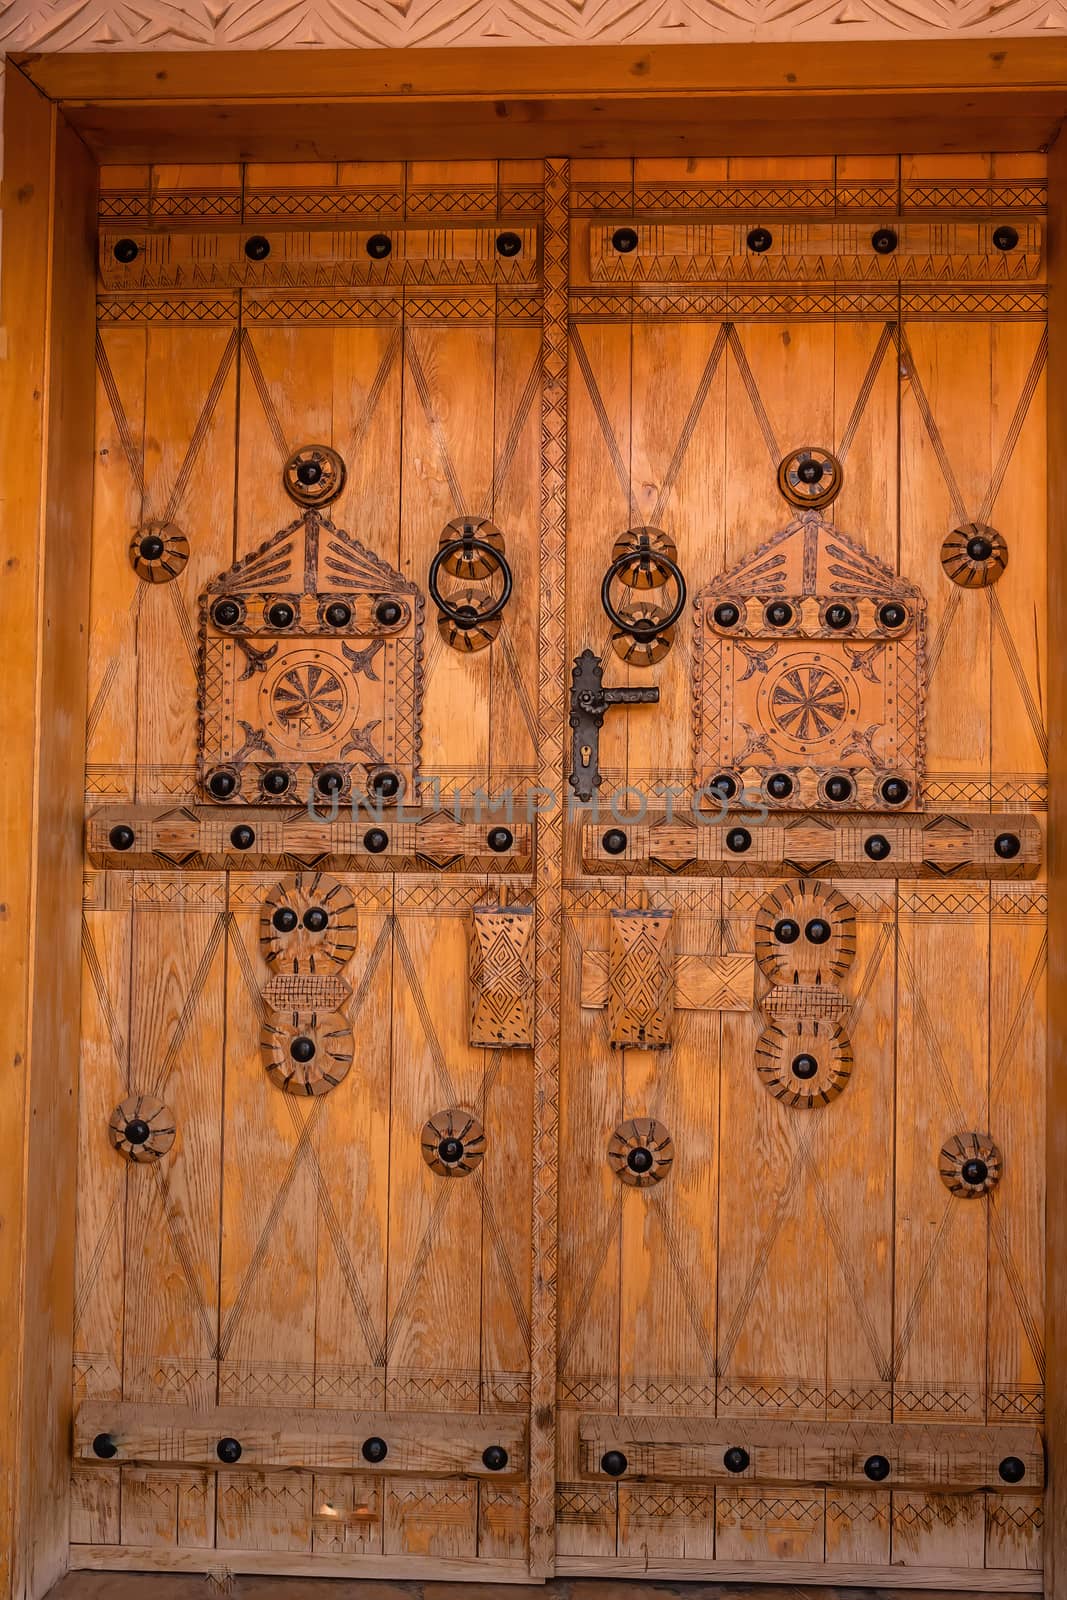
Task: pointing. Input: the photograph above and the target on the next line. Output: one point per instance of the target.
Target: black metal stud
(228, 1450)
(884, 241)
(804, 1066)
(309, 473)
(974, 1171)
(759, 240)
(738, 840)
(1005, 237)
(338, 614)
(624, 240)
(736, 1459)
(284, 919)
(222, 784)
(126, 250)
(378, 246)
(151, 547)
(508, 244)
(316, 919)
(1012, 1470)
(329, 781)
(1007, 846)
(224, 613)
(892, 615)
(614, 841)
(121, 837)
(386, 784)
(105, 1447)
(243, 837)
(895, 791)
(817, 931)
(876, 1468)
(375, 840)
(725, 784)
(839, 788)
(614, 1463)
(877, 847)
(388, 613)
(811, 470)
(499, 839)
(276, 780)
(787, 931)
(838, 616)
(640, 1159)
(374, 1449)
(778, 614)
(495, 1457)
(979, 548)
(302, 1049)
(450, 1150)
(779, 786)
(137, 1131)
(257, 248)
(281, 614)
(727, 615)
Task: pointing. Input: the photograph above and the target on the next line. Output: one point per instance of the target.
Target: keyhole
(587, 754)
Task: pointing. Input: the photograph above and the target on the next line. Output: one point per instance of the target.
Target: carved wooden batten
(502, 976)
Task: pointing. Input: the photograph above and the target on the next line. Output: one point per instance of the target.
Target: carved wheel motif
(306, 703)
(805, 1063)
(974, 555)
(809, 701)
(308, 925)
(306, 1052)
(810, 477)
(453, 1143)
(142, 1128)
(805, 934)
(314, 475)
(640, 1152)
(158, 552)
(970, 1164)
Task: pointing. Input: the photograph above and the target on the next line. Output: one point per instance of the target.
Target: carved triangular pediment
(810, 557)
(311, 556)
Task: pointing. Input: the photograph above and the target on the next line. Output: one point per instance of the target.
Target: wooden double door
(524, 1126)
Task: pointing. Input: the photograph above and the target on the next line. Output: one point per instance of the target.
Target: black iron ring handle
(455, 616)
(643, 627)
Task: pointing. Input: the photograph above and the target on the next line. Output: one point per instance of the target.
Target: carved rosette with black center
(310, 667)
(453, 1143)
(810, 676)
(142, 1128)
(307, 934)
(640, 1152)
(970, 1165)
(805, 945)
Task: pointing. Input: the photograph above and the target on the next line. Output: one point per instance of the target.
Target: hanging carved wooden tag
(641, 979)
(502, 975)
(310, 674)
(810, 677)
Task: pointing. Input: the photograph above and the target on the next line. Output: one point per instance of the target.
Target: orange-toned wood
(45, 423)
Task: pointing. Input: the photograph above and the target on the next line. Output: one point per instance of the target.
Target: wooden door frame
(64, 115)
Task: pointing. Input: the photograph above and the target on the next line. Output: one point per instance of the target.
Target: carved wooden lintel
(502, 976)
(942, 845)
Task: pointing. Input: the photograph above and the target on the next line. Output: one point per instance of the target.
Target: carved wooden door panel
(563, 1018)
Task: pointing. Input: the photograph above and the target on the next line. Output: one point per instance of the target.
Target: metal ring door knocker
(644, 561)
(471, 550)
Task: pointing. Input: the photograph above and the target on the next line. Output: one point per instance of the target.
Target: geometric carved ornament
(307, 934)
(810, 677)
(805, 944)
(502, 976)
(310, 672)
(640, 979)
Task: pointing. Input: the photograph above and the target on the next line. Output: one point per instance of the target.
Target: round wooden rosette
(314, 475)
(640, 1152)
(974, 555)
(805, 933)
(970, 1164)
(158, 551)
(291, 934)
(453, 1143)
(810, 477)
(803, 1063)
(142, 1128)
(306, 1054)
